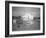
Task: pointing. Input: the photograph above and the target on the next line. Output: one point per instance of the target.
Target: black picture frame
(7, 18)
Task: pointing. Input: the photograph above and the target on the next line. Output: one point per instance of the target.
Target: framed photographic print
(24, 18)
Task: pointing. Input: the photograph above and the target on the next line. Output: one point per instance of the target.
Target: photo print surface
(25, 18)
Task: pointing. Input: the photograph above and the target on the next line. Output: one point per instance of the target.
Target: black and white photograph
(25, 18)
